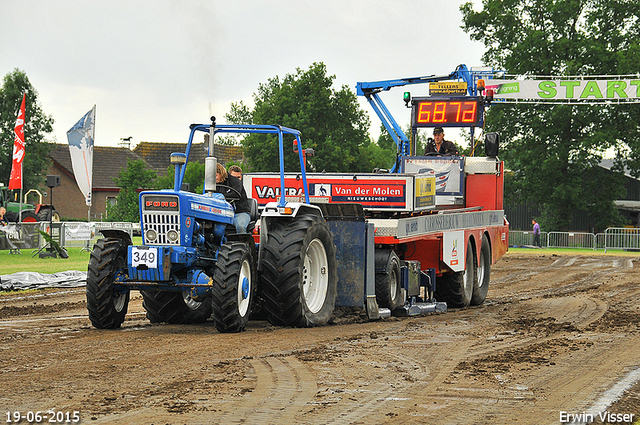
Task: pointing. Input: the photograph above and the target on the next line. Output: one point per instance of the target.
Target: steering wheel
(235, 190)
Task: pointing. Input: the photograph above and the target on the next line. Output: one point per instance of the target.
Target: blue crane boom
(371, 90)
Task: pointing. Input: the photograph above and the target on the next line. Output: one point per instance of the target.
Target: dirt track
(556, 333)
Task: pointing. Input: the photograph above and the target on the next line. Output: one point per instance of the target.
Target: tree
(385, 150)
(37, 125)
(554, 150)
(193, 175)
(131, 179)
(331, 122)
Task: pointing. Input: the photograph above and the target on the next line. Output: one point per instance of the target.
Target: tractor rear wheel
(47, 213)
(388, 288)
(456, 289)
(233, 287)
(174, 307)
(29, 217)
(107, 306)
(483, 274)
(299, 273)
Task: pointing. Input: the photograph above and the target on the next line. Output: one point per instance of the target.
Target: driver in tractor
(439, 146)
(233, 190)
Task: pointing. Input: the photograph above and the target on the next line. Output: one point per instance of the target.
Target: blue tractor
(192, 265)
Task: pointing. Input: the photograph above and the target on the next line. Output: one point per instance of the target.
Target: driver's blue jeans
(241, 221)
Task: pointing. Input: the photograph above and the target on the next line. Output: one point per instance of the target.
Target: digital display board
(447, 112)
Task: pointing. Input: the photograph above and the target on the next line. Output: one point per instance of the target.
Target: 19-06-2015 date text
(48, 416)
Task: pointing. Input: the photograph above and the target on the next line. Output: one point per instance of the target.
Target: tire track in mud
(588, 273)
(284, 388)
(424, 370)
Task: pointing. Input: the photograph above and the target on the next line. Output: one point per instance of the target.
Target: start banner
(567, 89)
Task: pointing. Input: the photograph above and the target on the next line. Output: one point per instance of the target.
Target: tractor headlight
(152, 235)
(173, 236)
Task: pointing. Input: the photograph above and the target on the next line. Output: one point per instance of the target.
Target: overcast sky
(154, 67)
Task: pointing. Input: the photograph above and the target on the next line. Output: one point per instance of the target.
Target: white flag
(81, 137)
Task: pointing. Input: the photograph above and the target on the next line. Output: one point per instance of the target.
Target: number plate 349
(143, 256)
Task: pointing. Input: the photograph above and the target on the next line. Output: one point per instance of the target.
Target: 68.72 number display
(451, 112)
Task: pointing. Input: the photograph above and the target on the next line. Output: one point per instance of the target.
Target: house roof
(609, 163)
(107, 163)
(158, 154)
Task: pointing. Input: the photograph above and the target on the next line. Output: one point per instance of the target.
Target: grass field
(25, 262)
(79, 259)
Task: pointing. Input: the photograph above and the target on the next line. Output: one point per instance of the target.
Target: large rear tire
(29, 217)
(299, 274)
(456, 289)
(106, 305)
(175, 307)
(47, 213)
(233, 287)
(483, 274)
(388, 287)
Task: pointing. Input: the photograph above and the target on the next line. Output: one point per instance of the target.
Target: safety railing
(571, 240)
(623, 238)
(17, 236)
(518, 238)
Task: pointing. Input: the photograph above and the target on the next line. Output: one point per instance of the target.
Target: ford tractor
(192, 265)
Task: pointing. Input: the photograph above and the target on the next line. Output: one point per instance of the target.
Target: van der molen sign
(563, 90)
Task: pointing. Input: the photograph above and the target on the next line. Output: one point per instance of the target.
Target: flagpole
(24, 140)
(93, 137)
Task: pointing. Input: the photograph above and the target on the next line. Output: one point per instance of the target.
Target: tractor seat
(254, 213)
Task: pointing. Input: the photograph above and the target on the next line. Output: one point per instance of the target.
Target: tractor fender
(118, 234)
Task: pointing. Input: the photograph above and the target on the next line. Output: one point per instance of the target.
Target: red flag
(15, 181)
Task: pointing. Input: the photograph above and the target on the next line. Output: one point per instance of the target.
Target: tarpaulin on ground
(35, 280)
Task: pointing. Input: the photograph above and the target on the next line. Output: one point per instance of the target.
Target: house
(108, 162)
(158, 155)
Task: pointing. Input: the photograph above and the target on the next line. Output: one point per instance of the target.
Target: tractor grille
(161, 223)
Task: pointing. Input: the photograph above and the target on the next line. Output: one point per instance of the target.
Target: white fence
(78, 234)
(81, 234)
(627, 239)
(67, 234)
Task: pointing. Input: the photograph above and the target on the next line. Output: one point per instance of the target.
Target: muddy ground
(557, 335)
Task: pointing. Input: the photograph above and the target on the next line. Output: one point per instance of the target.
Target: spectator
(439, 146)
(3, 219)
(234, 193)
(236, 172)
(536, 234)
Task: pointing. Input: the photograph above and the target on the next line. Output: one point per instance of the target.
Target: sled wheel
(106, 304)
(233, 287)
(456, 289)
(174, 307)
(388, 288)
(299, 276)
(483, 274)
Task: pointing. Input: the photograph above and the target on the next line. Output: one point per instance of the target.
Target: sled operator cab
(466, 231)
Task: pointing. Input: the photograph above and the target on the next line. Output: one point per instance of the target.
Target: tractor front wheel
(107, 304)
(233, 287)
